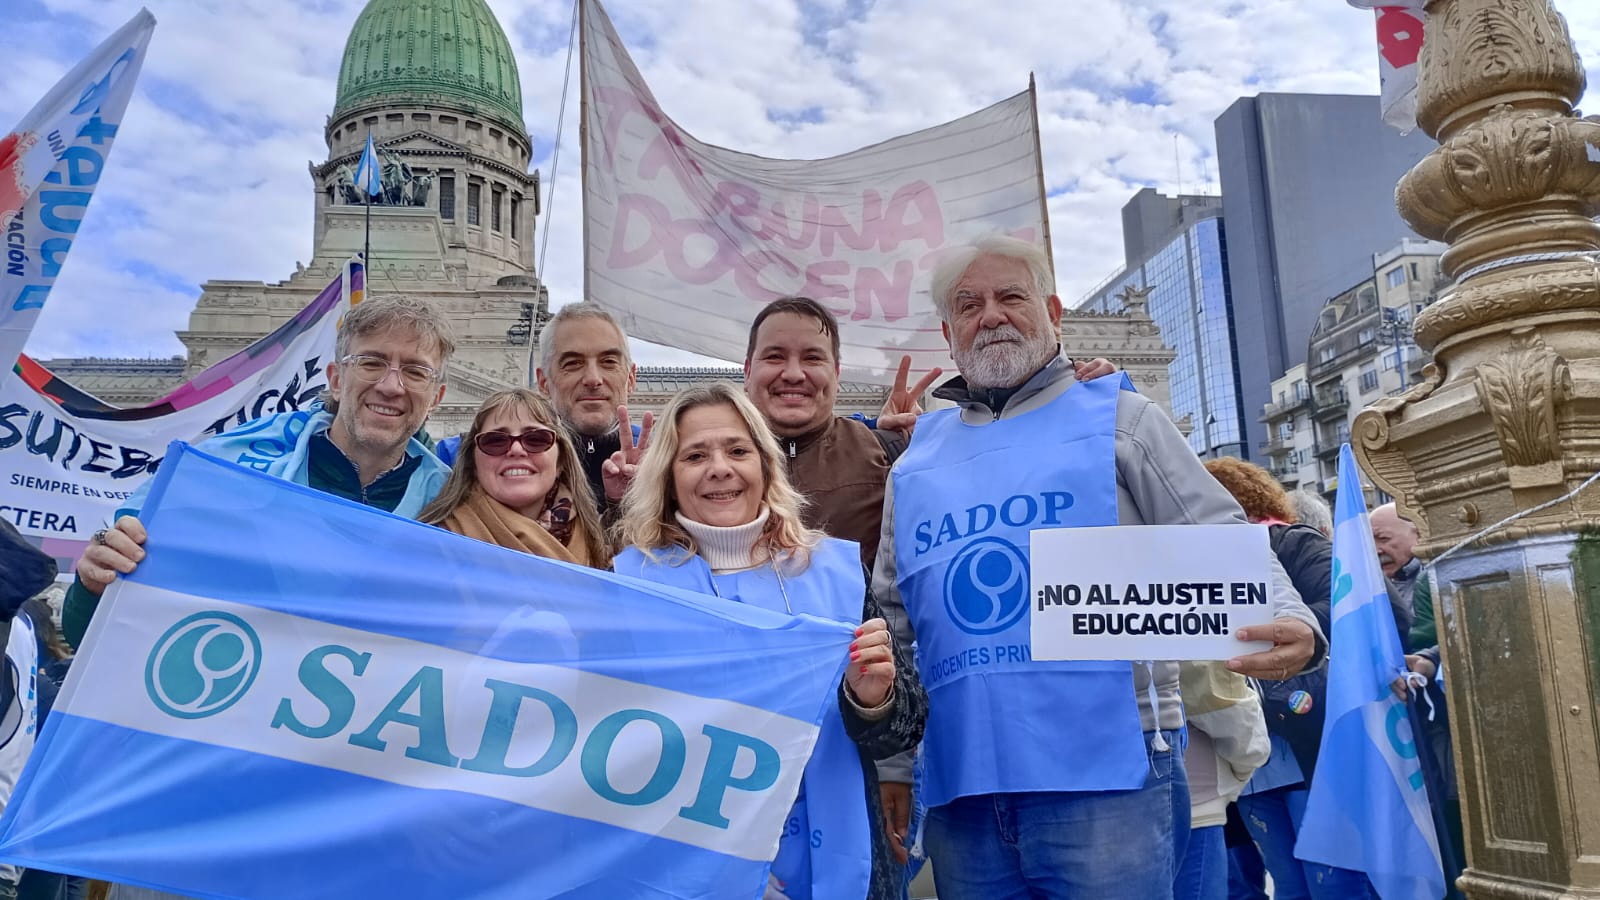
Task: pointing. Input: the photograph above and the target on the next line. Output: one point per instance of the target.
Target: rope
(1527, 258)
(555, 154)
(1512, 518)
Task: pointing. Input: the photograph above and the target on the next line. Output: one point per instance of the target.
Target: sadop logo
(986, 586)
(96, 93)
(202, 665)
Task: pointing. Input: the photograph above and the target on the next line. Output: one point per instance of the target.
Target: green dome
(416, 51)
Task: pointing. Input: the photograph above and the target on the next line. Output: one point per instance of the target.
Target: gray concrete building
(1361, 351)
(1308, 197)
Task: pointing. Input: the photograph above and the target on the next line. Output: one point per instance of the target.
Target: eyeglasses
(373, 369)
(498, 443)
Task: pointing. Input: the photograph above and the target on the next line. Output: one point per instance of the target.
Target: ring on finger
(99, 537)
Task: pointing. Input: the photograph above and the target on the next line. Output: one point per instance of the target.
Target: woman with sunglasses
(517, 483)
(711, 510)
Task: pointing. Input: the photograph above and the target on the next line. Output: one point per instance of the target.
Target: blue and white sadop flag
(369, 176)
(1368, 808)
(297, 696)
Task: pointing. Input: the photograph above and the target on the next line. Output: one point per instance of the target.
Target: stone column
(1506, 420)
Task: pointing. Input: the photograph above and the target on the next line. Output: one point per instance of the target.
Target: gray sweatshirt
(1160, 481)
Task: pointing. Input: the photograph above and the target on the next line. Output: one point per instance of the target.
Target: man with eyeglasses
(357, 442)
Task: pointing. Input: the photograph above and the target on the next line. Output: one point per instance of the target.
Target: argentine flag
(1368, 809)
(297, 696)
(369, 176)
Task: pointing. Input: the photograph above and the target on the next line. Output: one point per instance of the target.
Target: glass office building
(1190, 303)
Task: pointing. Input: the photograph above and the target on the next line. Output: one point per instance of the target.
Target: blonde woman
(710, 509)
(517, 483)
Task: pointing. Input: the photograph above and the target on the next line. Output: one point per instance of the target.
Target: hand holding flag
(631, 732)
(1368, 809)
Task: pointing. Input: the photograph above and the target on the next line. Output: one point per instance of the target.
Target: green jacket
(1424, 633)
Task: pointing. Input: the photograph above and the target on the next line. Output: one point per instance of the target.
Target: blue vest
(965, 499)
(826, 848)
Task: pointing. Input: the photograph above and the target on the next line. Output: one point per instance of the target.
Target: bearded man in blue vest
(1042, 779)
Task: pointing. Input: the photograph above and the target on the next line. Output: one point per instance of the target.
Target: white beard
(1003, 357)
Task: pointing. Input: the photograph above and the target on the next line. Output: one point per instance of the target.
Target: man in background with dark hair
(791, 373)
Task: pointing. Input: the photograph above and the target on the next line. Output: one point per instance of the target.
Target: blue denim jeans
(1247, 874)
(1081, 845)
(1203, 874)
(1273, 818)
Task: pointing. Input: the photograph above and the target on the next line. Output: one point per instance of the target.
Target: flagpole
(1038, 154)
(583, 136)
(366, 235)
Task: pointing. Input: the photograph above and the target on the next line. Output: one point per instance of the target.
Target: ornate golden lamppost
(1507, 423)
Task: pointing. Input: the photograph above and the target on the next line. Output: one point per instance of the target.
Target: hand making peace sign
(617, 472)
(900, 409)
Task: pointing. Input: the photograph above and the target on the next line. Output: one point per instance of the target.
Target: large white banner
(49, 167)
(685, 242)
(66, 470)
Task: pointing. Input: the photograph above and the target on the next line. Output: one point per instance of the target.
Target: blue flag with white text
(298, 696)
(368, 177)
(1368, 809)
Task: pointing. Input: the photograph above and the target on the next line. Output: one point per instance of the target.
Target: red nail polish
(863, 670)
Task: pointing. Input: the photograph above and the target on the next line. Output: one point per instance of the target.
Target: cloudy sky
(208, 179)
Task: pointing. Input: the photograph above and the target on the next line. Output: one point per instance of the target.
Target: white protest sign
(1141, 592)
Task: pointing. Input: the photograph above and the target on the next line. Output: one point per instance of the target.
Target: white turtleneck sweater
(726, 548)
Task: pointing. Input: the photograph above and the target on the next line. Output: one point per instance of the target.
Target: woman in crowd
(711, 509)
(1275, 800)
(517, 483)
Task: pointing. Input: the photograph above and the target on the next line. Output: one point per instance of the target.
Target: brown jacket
(842, 469)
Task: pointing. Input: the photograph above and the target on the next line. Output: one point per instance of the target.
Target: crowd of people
(1039, 779)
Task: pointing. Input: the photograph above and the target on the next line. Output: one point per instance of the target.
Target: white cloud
(208, 179)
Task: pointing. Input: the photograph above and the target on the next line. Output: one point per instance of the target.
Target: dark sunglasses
(498, 443)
